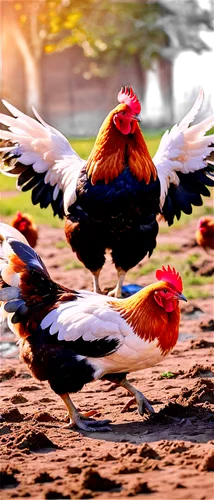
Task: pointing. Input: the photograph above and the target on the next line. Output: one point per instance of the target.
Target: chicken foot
(142, 403)
(117, 291)
(82, 421)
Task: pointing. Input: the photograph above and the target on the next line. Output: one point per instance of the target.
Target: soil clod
(7, 374)
(93, 481)
(33, 441)
(18, 399)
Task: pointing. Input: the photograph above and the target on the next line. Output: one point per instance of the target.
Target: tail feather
(9, 293)
(26, 289)
(28, 256)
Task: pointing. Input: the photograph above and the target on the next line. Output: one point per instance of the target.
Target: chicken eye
(165, 290)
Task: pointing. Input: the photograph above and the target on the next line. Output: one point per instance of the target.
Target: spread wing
(41, 157)
(89, 323)
(183, 164)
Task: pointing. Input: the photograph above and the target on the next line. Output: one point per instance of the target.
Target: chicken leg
(83, 422)
(142, 403)
(95, 277)
(117, 291)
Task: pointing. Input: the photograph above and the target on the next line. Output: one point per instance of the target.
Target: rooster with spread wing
(73, 337)
(112, 199)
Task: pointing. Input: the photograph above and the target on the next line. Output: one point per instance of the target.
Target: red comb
(171, 276)
(127, 95)
(19, 215)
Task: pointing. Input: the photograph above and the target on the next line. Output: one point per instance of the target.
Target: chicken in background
(111, 201)
(24, 224)
(73, 337)
(205, 233)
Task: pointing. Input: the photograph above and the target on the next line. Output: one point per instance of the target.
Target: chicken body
(205, 233)
(111, 201)
(25, 225)
(119, 220)
(72, 337)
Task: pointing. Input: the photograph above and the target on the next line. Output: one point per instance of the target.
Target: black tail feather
(27, 255)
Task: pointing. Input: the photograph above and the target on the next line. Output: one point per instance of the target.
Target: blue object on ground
(130, 289)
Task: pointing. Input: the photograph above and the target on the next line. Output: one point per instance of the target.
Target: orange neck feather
(148, 320)
(113, 151)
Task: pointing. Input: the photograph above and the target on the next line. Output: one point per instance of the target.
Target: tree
(110, 34)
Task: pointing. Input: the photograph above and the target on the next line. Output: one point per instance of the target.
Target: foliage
(100, 29)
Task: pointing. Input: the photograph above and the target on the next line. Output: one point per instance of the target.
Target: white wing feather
(90, 317)
(183, 149)
(46, 148)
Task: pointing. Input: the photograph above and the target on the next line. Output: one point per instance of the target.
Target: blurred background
(69, 58)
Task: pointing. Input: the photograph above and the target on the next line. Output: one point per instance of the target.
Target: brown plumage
(113, 151)
(25, 225)
(205, 233)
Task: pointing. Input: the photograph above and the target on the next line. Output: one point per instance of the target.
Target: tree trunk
(32, 75)
(165, 75)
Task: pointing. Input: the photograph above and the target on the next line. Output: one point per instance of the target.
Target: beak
(180, 296)
(137, 118)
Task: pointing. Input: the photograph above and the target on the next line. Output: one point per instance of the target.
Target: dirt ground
(167, 456)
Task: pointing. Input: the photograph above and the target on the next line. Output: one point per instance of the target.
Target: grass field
(9, 203)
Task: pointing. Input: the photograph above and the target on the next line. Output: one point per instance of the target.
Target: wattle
(125, 127)
(170, 305)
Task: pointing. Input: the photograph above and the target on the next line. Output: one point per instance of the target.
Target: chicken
(71, 338)
(111, 201)
(24, 223)
(205, 233)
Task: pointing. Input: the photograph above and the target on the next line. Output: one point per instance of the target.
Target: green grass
(196, 293)
(10, 205)
(149, 267)
(169, 247)
(192, 284)
(197, 212)
(61, 244)
(167, 375)
(73, 264)
(192, 258)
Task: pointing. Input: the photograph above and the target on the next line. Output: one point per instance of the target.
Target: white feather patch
(46, 149)
(89, 316)
(183, 149)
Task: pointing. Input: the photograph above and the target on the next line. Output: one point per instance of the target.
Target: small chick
(25, 225)
(205, 233)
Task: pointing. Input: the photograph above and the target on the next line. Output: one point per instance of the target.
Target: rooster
(73, 337)
(111, 201)
(24, 223)
(205, 233)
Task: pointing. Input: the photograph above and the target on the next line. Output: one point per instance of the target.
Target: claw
(142, 404)
(128, 404)
(83, 422)
(90, 425)
(89, 413)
